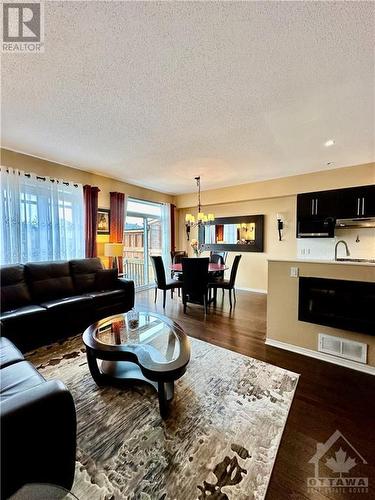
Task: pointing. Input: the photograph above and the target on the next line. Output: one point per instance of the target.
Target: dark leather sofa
(38, 425)
(45, 301)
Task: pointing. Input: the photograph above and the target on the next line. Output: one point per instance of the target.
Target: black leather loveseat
(38, 425)
(45, 301)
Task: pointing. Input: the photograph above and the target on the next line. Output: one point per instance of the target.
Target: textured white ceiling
(156, 93)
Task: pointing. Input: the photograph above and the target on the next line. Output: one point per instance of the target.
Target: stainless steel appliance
(357, 222)
(316, 228)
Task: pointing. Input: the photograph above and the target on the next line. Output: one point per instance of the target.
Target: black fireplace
(349, 305)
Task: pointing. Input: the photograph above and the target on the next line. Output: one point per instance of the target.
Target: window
(40, 219)
(147, 232)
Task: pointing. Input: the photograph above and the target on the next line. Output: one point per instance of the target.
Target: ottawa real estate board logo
(338, 467)
(23, 27)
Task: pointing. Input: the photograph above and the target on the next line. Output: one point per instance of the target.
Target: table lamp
(114, 250)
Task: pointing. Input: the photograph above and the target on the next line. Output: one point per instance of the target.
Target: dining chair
(223, 255)
(217, 258)
(176, 258)
(228, 284)
(195, 282)
(177, 255)
(161, 282)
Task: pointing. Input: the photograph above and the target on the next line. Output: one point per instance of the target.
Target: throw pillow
(105, 279)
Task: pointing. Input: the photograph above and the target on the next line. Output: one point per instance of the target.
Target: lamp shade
(113, 249)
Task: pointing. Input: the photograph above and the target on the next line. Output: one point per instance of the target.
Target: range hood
(358, 222)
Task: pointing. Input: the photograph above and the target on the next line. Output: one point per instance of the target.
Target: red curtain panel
(90, 198)
(117, 221)
(117, 207)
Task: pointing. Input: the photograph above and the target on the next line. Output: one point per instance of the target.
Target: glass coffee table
(42, 491)
(140, 346)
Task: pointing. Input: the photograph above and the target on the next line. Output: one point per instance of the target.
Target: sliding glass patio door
(143, 237)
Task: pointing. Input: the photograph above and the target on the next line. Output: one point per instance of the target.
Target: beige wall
(358, 175)
(105, 184)
(268, 198)
(282, 304)
(252, 272)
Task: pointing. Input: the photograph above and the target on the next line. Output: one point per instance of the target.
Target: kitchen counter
(316, 261)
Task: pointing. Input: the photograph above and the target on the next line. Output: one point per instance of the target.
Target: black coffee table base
(120, 373)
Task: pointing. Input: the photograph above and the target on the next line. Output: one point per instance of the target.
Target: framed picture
(103, 221)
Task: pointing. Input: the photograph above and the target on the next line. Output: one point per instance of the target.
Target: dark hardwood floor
(328, 397)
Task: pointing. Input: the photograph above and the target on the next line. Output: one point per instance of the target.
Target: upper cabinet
(317, 212)
(317, 205)
(356, 202)
(338, 203)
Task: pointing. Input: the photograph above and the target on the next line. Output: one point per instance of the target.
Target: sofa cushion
(105, 279)
(49, 280)
(23, 313)
(107, 297)
(9, 354)
(17, 378)
(67, 304)
(25, 326)
(14, 291)
(83, 272)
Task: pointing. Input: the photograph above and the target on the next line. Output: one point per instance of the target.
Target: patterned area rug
(219, 442)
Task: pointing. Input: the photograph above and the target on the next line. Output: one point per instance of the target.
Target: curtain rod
(44, 179)
(52, 180)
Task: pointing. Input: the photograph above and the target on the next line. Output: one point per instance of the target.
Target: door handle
(312, 206)
(363, 206)
(358, 205)
(316, 206)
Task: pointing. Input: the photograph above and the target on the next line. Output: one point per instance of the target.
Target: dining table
(212, 267)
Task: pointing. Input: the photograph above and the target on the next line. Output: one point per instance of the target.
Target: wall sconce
(280, 225)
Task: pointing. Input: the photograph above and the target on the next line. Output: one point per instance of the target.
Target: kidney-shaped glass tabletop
(151, 340)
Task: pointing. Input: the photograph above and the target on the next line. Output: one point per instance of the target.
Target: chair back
(233, 271)
(177, 256)
(217, 258)
(195, 278)
(159, 272)
(214, 257)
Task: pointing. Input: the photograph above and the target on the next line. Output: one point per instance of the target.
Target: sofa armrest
(125, 283)
(128, 287)
(38, 437)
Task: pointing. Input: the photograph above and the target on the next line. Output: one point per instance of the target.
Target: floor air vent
(348, 349)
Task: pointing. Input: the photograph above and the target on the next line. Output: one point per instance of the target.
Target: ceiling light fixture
(329, 143)
(202, 219)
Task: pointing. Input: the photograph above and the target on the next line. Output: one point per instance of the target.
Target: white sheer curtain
(209, 234)
(166, 235)
(230, 233)
(39, 219)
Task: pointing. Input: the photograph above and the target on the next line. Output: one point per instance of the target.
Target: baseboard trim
(256, 290)
(346, 363)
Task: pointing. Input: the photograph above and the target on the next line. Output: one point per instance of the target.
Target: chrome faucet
(346, 248)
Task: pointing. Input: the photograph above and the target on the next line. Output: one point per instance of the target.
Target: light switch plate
(294, 271)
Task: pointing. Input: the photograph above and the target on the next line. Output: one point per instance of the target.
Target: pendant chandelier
(202, 219)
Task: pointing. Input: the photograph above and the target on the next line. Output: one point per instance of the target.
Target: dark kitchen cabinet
(317, 212)
(356, 202)
(317, 205)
